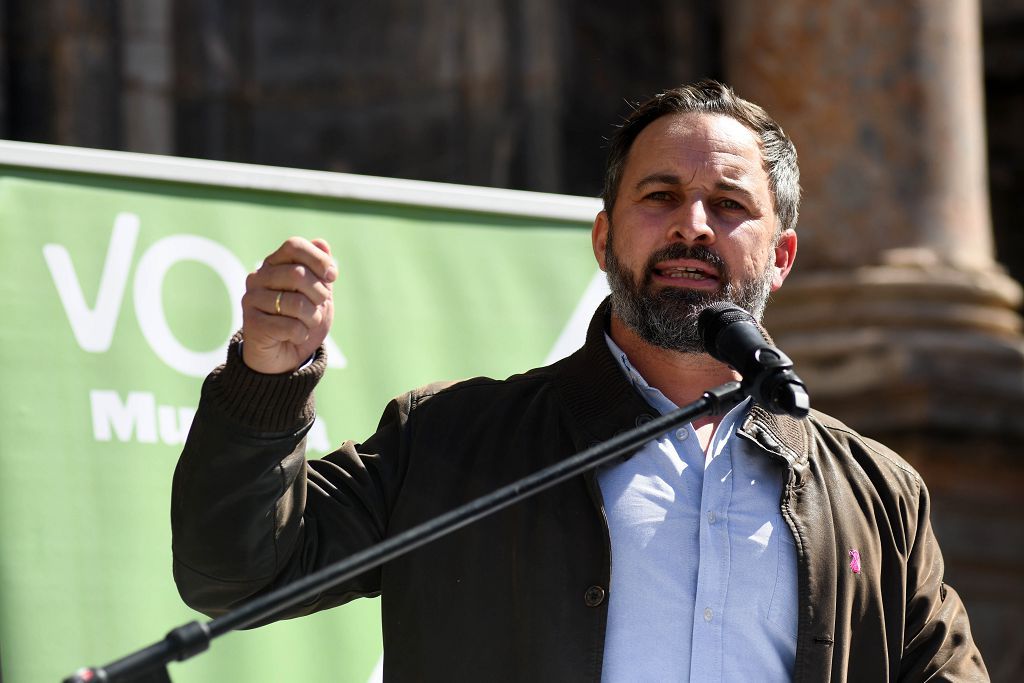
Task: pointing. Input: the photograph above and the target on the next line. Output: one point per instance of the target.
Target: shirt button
(708, 614)
(643, 419)
(681, 434)
(594, 596)
(712, 517)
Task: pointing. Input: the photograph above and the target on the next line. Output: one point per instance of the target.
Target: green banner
(119, 295)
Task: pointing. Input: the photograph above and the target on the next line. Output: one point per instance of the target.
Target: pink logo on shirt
(855, 561)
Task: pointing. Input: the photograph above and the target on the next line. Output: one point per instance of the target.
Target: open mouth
(690, 273)
(684, 273)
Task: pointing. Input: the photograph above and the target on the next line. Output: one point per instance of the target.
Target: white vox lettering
(316, 438)
(575, 331)
(94, 327)
(137, 418)
(149, 308)
(174, 422)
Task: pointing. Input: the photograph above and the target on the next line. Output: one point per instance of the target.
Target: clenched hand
(287, 308)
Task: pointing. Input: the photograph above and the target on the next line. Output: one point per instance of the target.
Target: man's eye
(730, 204)
(659, 196)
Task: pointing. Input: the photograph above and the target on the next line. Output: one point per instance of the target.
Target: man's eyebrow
(672, 179)
(658, 179)
(727, 186)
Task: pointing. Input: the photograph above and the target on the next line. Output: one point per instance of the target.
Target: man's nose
(690, 224)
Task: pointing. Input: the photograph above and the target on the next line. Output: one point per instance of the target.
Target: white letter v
(94, 328)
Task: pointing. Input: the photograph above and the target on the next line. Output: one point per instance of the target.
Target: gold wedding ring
(277, 304)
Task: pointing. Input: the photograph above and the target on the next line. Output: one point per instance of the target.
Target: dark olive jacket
(522, 595)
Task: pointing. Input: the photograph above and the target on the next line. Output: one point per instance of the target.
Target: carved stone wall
(897, 315)
(1003, 49)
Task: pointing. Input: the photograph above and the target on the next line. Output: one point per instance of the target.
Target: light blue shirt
(704, 583)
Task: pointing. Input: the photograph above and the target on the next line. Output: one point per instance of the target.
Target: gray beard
(667, 317)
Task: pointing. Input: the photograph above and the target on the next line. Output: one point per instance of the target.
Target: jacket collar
(604, 403)
(597, 393)
(783, 436)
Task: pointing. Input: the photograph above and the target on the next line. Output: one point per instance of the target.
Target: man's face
(694, 223)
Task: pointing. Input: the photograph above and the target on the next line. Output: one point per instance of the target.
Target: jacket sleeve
(937, 642)
(250, 514)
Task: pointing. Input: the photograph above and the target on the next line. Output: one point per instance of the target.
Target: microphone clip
(775, 385)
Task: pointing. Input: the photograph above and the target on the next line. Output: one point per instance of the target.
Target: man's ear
(599, 237)
(785, 254)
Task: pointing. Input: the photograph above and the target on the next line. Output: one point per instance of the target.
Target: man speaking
(749, 546)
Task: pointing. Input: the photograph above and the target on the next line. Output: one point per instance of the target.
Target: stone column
(897, 315)
(897, 311)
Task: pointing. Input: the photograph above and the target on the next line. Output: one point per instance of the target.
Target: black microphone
(731, 335)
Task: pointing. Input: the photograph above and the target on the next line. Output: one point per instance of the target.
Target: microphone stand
(148, 665)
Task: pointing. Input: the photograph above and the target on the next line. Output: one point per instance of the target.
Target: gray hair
(708, 96)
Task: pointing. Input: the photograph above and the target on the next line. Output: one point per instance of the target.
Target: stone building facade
(908, 115)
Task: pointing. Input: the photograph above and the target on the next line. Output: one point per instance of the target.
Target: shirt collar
(653, 396)
(658, 400)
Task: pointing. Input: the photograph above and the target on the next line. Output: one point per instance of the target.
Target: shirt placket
(713, 570)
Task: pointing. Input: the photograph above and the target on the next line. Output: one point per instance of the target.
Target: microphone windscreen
(715, 318)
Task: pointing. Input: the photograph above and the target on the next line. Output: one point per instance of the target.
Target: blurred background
(903, 313)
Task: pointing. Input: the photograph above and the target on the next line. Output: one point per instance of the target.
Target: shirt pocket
(783, 610)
